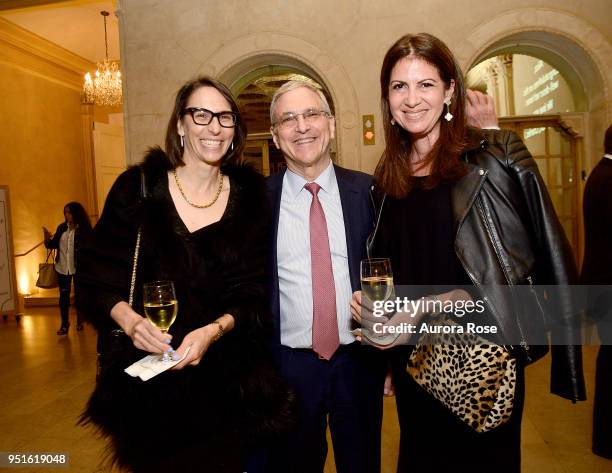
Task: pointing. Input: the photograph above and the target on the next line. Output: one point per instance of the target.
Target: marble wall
(344, 41)
(44, 131)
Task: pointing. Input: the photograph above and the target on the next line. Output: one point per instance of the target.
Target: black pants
(345, 392)
(601, 311)
(65, 282)
(602, 404)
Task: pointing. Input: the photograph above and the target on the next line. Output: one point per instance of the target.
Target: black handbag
(47, 276)
(115, 346)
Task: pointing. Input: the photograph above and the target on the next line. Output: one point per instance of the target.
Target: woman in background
(66, 240)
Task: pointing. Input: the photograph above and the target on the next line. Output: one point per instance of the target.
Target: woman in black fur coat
(204, 226)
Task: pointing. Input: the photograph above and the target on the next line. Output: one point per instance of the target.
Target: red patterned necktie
(325, 338)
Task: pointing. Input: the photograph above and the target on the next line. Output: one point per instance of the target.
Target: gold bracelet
(220, 330)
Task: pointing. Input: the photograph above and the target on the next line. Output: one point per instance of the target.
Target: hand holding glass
(376, 285)
(376, 279)
(160, 306)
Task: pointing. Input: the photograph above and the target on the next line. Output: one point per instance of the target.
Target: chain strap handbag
(472, 377)
(116, 340)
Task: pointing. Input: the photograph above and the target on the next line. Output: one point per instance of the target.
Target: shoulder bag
(115, 342)
(47, 276)
(472, 377)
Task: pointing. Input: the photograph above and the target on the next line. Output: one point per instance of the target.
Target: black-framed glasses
(290, 120)
(202, 116)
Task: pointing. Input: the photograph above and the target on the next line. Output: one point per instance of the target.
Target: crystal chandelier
(105, 88)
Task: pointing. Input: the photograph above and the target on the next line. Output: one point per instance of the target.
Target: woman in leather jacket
(458, 208)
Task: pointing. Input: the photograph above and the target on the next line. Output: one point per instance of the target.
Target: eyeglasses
(201, 116)
(290, 120)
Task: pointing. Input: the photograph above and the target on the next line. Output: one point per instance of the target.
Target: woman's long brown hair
(393, 171)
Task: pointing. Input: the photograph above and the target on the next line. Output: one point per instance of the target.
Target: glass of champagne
(376, 286)
(160, 306)
(376, 279)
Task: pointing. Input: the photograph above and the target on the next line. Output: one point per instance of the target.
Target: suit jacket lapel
(275, 190)
(347, 195)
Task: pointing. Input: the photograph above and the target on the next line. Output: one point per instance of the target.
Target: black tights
(65, 282)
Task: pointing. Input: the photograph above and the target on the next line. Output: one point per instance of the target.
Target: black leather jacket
(506, 234)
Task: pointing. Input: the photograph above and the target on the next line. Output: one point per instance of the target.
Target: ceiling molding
(29, 4)
(74, 25)
(27, 51)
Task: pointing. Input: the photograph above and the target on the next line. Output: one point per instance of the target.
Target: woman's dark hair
(393, 172)
(79, 215)
(174, 150)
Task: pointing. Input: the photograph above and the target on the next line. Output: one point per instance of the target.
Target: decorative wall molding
(587, 51)
(593, 43)
(236, 58)
(573, 123)
(28, 52)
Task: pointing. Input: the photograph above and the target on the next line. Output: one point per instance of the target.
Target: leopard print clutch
(469, 375)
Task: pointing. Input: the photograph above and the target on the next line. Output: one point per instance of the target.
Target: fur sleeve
(105, 256)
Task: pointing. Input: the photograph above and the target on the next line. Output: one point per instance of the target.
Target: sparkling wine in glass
(160, 306)
(376, 279)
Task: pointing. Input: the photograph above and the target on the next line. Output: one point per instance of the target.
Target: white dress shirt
(65, 265)
(293, 256)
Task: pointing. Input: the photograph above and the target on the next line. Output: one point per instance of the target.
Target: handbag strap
(134, 267)
(50, 252)
(143, 196)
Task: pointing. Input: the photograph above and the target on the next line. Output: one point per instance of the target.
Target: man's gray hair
(297, 84)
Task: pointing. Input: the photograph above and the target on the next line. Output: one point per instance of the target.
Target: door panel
(109, 158)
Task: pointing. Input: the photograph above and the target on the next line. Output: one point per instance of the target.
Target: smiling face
(305, 142)
(205, 143)
(416, 97)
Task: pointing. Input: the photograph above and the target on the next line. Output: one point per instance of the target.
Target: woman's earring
(393, 121)
(449, 116)
(182, 141)
(232, 146)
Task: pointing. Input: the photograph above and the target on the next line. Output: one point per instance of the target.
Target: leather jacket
(506, 234)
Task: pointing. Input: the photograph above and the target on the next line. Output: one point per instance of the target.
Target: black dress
(198, 418)
(417, 234)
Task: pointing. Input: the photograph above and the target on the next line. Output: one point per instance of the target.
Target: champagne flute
(377, 286)
(376, 279)
(160, 306)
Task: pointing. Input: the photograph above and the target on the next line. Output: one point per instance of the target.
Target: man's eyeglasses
(201, 116)
(290, 120)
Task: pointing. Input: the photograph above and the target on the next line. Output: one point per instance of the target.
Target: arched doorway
(551, 92)
(532, 97)
(254, 92)
(240, 57)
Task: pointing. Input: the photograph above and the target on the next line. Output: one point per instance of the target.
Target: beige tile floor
(45, 381)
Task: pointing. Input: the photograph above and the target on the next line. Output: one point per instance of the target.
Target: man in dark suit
(322, 215)
(597, 273)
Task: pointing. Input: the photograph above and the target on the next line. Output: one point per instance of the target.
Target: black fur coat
(179, 419)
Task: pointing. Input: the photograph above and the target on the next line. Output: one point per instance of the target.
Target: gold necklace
(198, 206)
